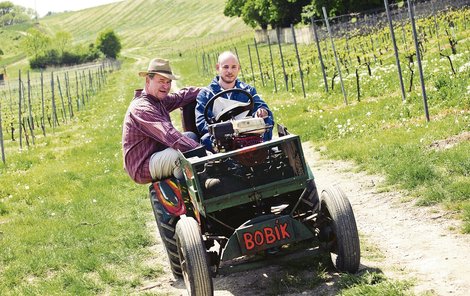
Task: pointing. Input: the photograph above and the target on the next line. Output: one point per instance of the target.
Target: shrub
(70, 58)
(109, 44)
(53, 58)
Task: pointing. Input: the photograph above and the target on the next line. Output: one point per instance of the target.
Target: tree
(276, 13)
(253, 12)
(13, 14)
(287, 12)
(283, 13)
(108, 43)
(62, 41)
(35, 42)
(6, 7)
(340, 7)
(5, 13)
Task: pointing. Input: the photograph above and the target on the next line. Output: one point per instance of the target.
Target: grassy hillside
(10, 39)
(144, 26)
(149, 24)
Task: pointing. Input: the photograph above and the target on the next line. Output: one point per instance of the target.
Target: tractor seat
(188, 118)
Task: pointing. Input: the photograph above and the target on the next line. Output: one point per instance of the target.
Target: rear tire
(166, 227)
(338, 230)
(193, 258)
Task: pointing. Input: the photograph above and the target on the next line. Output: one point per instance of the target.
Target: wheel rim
(326, 228)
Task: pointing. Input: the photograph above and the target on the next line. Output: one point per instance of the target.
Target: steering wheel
(231, 111)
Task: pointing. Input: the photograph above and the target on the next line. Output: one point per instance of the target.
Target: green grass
(165, 28)
(71, 220)
(372, 283)
(397, 143)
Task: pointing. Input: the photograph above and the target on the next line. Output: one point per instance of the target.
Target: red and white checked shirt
(147, 129)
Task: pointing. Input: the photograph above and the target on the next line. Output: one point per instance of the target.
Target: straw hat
(160, 67)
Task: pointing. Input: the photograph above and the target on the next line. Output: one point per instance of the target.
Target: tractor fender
(168, 193)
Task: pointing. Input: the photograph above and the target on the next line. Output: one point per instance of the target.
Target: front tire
(338, 230)
(192, 255)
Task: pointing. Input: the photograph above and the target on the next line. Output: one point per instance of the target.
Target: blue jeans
(191, 135)
(206, 140)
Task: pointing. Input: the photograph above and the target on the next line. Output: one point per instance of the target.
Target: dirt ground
(414, 243)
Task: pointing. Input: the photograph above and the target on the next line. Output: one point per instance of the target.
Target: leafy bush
(109, 43)
(91, 54)
(49, 58)
(52, 58)
(70, 58)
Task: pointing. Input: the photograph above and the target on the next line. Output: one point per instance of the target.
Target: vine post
(322, 64)
(30, 107)
(76, 91)
(64, 111)
(418, 57)
(251, 65)
(55, 120)
(259, 63)
(272, 63)
(336, 56)
(395, 48)
(43, 119)
(241, 68)
(298, 60)
(19, 108)
(278, 35)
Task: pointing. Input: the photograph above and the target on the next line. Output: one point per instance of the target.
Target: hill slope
(148, 23)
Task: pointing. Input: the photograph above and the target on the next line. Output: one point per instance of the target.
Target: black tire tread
(191, 244)
(167, 234)
(344, 223)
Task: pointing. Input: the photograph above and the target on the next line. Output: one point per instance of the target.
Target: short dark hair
(151, 75)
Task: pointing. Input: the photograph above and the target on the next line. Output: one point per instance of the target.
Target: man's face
(228, 69)
(158, 86)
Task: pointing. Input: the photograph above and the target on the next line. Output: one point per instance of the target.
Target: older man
(228, 69)
(149, 139)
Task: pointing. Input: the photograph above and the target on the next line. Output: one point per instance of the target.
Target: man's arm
(181, 98)
(260, 105)
(201, 101)
(154, 125)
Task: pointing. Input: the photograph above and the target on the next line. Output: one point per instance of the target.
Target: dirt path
(416, 243)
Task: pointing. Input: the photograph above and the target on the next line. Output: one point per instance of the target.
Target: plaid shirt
(147, 129)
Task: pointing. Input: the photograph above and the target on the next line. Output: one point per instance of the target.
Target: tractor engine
(235, 134)
(239, 133)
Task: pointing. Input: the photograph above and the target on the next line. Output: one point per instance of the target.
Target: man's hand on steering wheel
(261, 113)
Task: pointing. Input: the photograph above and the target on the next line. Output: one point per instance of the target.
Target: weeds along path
(417, 242)
(414, 243)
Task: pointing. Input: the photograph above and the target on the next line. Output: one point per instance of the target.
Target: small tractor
(251, 197)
